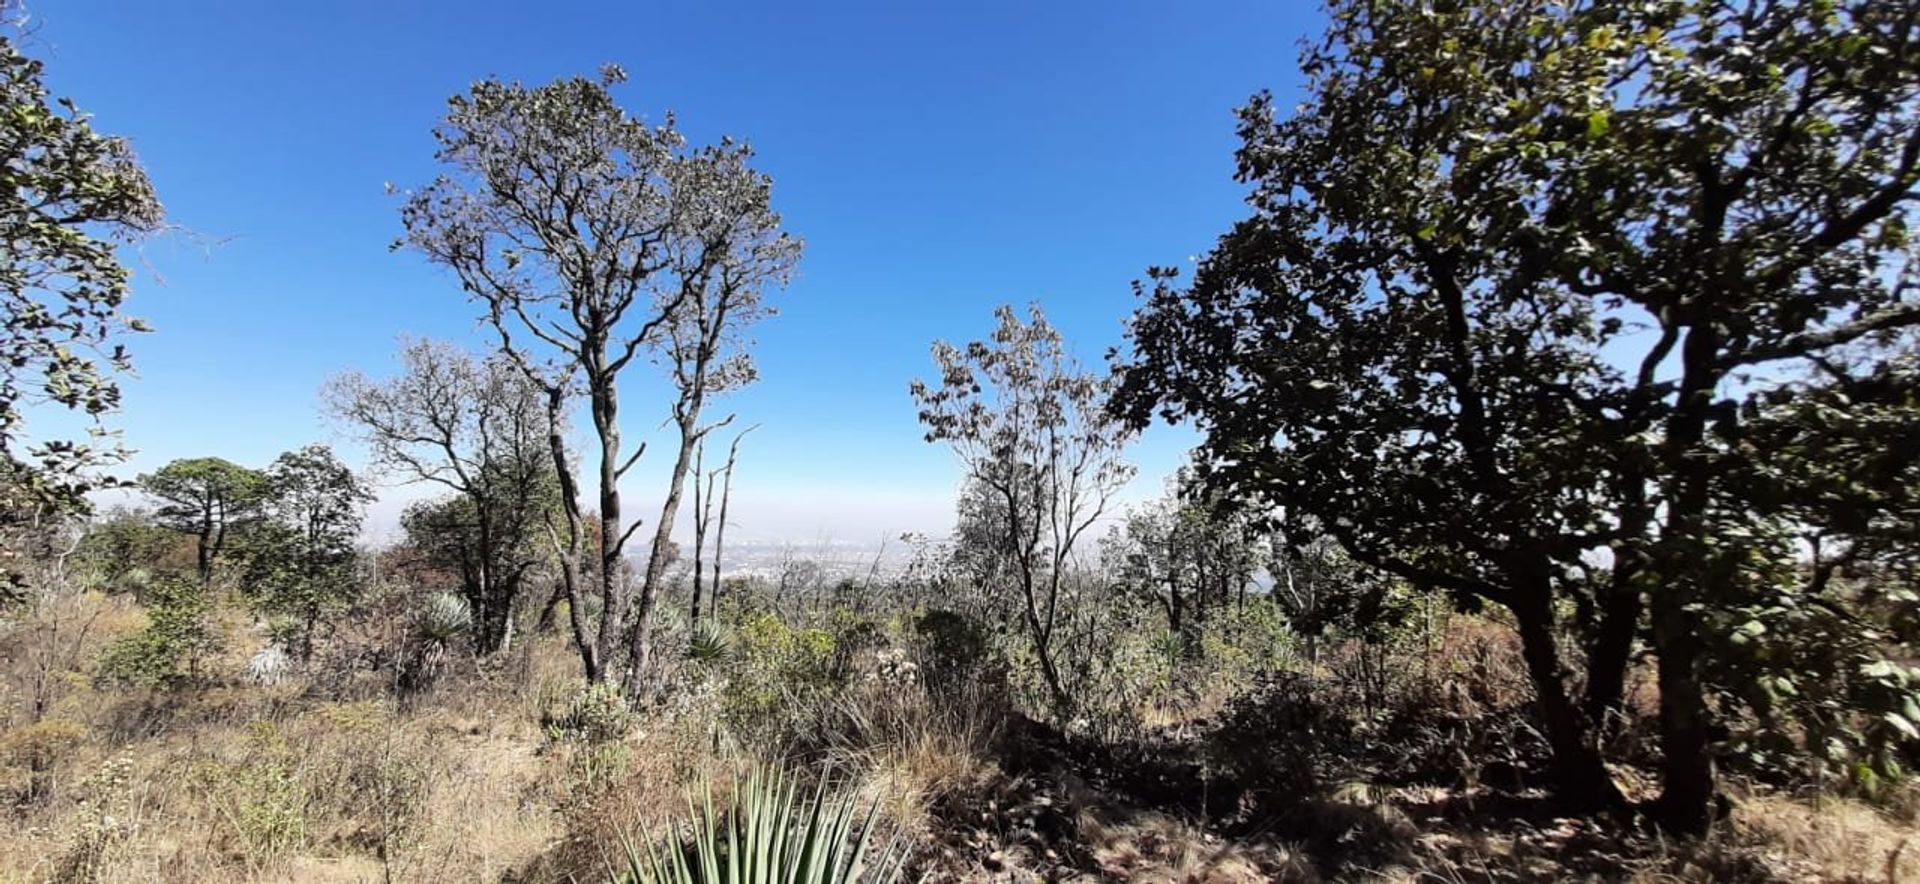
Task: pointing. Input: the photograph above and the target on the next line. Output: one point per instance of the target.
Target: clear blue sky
(939, 158)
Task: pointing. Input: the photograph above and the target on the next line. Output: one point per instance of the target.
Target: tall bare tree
(704, 502)
(583, 231)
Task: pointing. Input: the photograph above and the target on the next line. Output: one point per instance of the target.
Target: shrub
(953, 648)
(779, 672)
(709, 644)
(597, 714)
(169, 649)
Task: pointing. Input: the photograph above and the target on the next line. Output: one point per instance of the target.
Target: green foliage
(169, 649)
(1043, 458)
(777, 673)
(71, 195)
(121, 550)
(597, 714)
(774, 833)
(443, 618)
(209, 498)
(1515, 278)
(709, 644)
(954, 648)
(300, 567)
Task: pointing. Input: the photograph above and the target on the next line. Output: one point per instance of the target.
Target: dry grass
(229, 781)
(1829, 839)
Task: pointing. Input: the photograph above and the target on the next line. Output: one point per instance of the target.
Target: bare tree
(703, 517)
(478, 429)
(1041, 453)
(583, 232)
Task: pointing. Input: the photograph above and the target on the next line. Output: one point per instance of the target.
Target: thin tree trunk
(569, 553)
(720, 530)
(615, 610)
(702, 513)
(1686, 766)
(1607, 658)
(642, 640)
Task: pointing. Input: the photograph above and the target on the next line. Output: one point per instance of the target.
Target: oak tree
(1514, 276)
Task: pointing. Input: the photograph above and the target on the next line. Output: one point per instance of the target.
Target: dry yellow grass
(239, 782)
(1831, 839)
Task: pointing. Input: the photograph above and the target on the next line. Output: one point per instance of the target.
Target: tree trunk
(1581, 778)
(570, 553)
(204, 559)
(1612, 647)
(1686, 765)
(662, 542)
(702, 511)
(720, 530)
(614, 611)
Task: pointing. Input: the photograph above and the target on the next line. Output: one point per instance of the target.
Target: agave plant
(443, 618)
(774, 833)
(709, 643)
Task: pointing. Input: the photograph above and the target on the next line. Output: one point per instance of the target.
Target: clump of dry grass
(1828, 838)
(908, 748)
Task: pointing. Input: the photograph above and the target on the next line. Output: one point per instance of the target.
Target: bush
(169, 649)
(953, 647)
(778, 673)
(1280, 738)
(597, 714)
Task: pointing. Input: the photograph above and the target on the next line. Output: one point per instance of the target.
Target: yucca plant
(773, 835)
(708, 643)
(443, 618)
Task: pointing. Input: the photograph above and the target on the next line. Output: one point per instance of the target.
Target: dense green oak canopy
(1516, 277)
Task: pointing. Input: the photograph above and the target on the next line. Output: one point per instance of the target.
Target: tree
(1039, 447)
(583, 231)
(476, 428)
(1514, 272)
(742, 251)
(1188, 553)
(72, 196)
(207, 498)
(703, 518)
(301, 559)
(176, 638)
(125, 548)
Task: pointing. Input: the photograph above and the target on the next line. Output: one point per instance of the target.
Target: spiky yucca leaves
(443, 618)
(709, 643)
(772, 834)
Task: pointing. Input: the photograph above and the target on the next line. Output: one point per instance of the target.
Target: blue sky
(939, 159)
